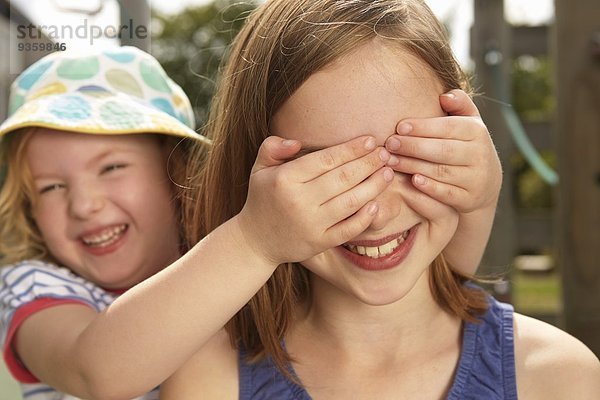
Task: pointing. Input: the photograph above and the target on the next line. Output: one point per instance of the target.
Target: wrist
(250, 244)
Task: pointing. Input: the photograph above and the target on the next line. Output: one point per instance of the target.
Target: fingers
(449, 127)
(457, 102)
(457, 105)
(424, 200)
(275, 151)
(457, 175)
(451, 195)
(317, 163)
(353, 226)
(447, 140)
(349, 202)
(445, 151)
(448, 184)
(351, 174)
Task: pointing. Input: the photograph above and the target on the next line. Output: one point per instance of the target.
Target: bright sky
(457, 13)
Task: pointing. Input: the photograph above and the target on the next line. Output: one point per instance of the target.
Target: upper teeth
(105, 237)
(378, 251)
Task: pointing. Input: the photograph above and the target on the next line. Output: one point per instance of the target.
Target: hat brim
(114, 114)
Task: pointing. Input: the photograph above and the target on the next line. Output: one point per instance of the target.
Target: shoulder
(212, 373)
(30, 280)
(29, 270)
(550, 363)
(19, 278)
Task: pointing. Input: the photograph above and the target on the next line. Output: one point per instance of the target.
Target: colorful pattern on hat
(123, 90)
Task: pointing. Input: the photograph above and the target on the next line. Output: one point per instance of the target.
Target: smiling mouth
(106, 237)
(378, 251)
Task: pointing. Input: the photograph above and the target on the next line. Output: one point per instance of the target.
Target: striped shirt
(31, 286)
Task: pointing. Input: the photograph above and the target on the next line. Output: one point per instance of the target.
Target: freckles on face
(366, 92)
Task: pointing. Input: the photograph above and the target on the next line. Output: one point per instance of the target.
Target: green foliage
(532, 192)
(532, 88)
(191, 46)
(537, 293)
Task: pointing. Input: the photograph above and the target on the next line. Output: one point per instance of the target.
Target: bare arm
(213, 372)
(152, 329)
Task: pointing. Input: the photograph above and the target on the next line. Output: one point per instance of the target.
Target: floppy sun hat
(118, 91)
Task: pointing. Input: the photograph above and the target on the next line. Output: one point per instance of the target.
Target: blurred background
(536, 67)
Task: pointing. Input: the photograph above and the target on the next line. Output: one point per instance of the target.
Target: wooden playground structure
(573, 227)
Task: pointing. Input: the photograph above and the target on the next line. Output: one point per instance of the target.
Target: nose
(85, 200)
(390, 203)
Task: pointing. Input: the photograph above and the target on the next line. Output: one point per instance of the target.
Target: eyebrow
(99, 158)
(110, 152)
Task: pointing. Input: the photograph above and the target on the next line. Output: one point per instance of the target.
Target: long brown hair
(282, 44)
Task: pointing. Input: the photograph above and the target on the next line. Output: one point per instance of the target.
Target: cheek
(54, 233)
(327, 267)
(443, 229)
(48, 217)
(154, 202)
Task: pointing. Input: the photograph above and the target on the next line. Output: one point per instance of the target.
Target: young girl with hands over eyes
(94, 152)
(380, 314)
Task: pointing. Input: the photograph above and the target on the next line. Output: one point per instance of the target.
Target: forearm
(465, 250)
(156, 326)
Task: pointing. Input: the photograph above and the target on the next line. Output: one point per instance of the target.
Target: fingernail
(384, 155)
(288, 143)
(449, 95)
(393, 143)
(393, 160)
(419, 179)
(373, 208)
(370, 143)
(388, 175)
(404, 128)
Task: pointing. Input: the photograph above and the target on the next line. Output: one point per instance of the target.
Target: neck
(349, 327)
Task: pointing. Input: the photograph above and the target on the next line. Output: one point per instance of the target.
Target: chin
(382, 293)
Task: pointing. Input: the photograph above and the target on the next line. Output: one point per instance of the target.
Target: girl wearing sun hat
(87, 207)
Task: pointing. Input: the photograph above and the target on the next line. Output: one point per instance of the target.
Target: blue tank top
(486, 369)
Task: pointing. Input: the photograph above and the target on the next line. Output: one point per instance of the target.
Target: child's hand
(453, 160)
(299, 208)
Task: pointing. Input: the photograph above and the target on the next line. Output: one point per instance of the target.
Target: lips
(382, 254)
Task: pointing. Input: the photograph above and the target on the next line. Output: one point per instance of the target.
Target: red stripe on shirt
(14, 365)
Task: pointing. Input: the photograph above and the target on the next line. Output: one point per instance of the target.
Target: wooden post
(577, 61)
(490, 44)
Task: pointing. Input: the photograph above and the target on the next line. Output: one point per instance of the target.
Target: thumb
(275, 151)
(456, 102)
